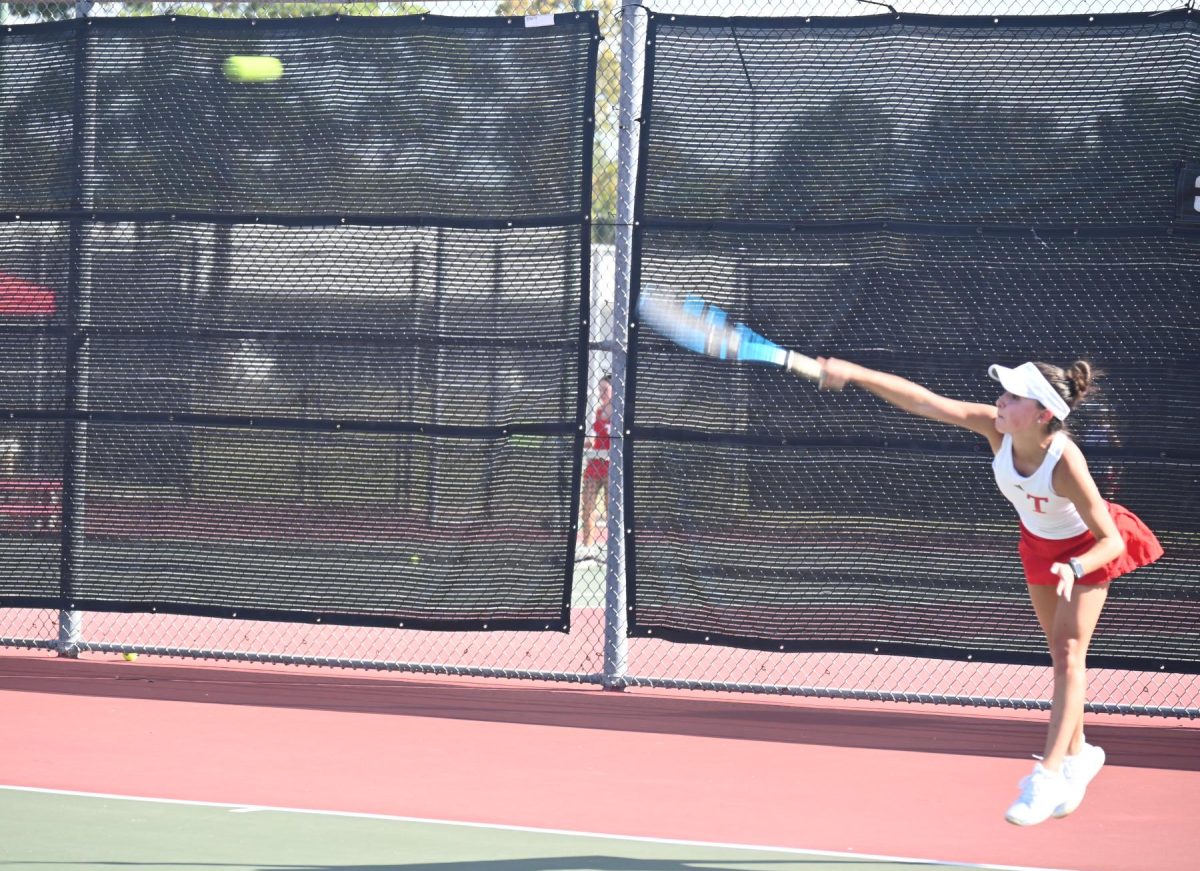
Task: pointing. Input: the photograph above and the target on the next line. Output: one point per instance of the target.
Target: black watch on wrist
(1076, 567)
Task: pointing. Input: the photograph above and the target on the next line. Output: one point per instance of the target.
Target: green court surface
(43, 831)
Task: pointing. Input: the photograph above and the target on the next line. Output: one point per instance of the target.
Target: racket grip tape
(805, 367)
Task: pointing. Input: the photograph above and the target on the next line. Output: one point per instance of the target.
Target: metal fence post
(616, 644)
(70, 623)
(70, 633)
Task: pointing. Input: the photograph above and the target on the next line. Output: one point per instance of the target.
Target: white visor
(1028, 381)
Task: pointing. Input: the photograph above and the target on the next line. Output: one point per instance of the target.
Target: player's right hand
(835, 373)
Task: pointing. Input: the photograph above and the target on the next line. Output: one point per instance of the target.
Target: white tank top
(1044, 512)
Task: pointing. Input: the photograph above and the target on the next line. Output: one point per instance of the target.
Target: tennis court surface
(162, 764)
(106, 832)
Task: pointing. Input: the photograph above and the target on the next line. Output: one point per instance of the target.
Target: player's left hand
(1066, 579)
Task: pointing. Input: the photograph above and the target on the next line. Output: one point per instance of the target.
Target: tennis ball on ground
(129, 657)
(252, 68)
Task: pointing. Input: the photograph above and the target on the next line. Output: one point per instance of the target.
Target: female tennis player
(1073, 543)
(595, 474)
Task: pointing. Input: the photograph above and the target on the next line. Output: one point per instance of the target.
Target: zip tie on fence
(618, 11)
(886, 6)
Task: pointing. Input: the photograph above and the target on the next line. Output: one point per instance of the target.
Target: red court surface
(898, 780)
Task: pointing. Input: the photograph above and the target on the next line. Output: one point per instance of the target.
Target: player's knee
(1069, 654)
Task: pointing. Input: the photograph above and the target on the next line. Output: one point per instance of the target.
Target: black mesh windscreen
(1071, 120)
(926, 196)
(38, 96)
(394, 117)
(33, 351)
(302, 349)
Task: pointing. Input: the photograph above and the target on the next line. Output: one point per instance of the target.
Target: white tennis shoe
(1079, 771)
(1041, 794)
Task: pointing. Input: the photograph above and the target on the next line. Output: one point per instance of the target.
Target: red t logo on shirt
(1037, 502)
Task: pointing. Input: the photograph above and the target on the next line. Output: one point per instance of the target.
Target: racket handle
(805, 367)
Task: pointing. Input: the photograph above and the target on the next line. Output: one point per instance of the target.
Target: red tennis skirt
(1038, 554)
(596, 470)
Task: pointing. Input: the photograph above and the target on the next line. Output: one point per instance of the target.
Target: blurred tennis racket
(693, 324)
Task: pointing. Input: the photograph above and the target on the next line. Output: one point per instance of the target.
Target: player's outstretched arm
(912, 397)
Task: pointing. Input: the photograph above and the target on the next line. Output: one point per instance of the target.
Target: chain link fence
(597, 649)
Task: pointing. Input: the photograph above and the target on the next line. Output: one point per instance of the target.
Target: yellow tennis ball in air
(129, 657)
(252, 68)
(415, 558)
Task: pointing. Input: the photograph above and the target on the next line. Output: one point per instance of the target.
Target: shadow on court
(1155, 744)
(592, 863)
(555, 863)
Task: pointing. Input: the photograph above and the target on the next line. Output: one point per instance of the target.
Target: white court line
(245, 808)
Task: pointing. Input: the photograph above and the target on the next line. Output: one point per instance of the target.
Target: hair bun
(1082, 378)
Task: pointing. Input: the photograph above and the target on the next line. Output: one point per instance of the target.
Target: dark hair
(1074, 384)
